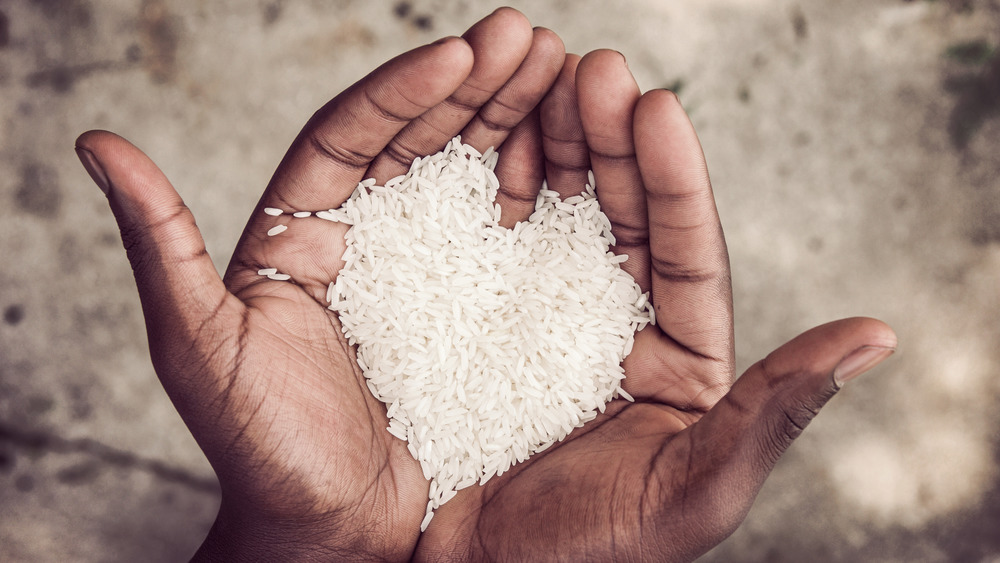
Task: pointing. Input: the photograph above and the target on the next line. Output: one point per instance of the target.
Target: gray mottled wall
(855, 152)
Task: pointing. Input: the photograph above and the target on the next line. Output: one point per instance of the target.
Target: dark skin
(262, 376)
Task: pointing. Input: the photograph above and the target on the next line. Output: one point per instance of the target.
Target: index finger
(332, 152)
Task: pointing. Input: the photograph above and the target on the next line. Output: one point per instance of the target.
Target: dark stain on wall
(159, 40)
(799, 24)
(13, 314)
(976, 89)
(271, 12)
(80, 473)
(37, 442)
(4, 30)
(39, 193)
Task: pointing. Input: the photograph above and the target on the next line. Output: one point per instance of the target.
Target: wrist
(240, 534)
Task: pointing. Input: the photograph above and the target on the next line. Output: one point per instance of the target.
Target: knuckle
(399, 153)
(341, 155)
(629, 235)
(680, 273)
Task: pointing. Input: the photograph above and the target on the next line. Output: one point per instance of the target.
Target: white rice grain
(426, 521)
(486, 344)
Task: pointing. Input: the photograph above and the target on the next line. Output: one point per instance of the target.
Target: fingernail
(624, 60)
(858, 362)
(94, 169)
(444, 40)
(674, 94)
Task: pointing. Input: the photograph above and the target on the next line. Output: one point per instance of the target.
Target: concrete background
(855, 152)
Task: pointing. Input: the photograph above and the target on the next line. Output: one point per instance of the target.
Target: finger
(179, 287)
(520, 95)
(607, 95)
(520, 172)
(567, 159)
(309, 251)
(331, 154)
(499, 43)
(743, 436)
(691, 288)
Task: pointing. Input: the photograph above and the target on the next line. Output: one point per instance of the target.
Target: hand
(671, 475)
(259, 369)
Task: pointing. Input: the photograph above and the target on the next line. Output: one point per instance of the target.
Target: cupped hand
(669, 476)
(258, 368)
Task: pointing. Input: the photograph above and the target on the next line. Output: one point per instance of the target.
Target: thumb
(745, 434)
(178, 285)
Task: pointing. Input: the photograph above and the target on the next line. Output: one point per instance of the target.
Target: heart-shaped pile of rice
(487, 344)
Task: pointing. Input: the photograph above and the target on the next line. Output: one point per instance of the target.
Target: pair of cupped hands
(263, 377)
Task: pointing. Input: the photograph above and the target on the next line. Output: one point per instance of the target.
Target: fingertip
(455, 53)
(97, 149)
(872, 332)
(667, 144)
(549, 46)
(822, 349)
(96, 140)
(499, 44)
(549, 40)
(602, 78)
(82, 141)
(506, 21)
(509, 16)
(661, 99)
(452, 42)
(662, 110)
(605, 60)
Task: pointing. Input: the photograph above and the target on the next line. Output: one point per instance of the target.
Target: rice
(486, 344)
(273, 211)
(277, 230)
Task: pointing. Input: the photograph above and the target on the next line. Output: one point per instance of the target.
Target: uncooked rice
(486, 344)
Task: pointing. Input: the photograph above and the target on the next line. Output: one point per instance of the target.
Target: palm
(577, 500)
(310, 428)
